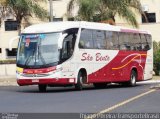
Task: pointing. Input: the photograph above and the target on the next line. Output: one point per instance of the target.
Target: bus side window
(115, 41)
(65, 50)
(132, 41)
(124, 41)
(69, 43)
(86, 41)
(112, 40)
(109, 42)
(99, 39)
(68, 47)
(144, 42)
(149, 42)
(136, 42)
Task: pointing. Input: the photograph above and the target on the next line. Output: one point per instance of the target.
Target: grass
(10, 61)
(156, 78)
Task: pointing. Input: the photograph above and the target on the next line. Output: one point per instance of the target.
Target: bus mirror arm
(60, 41)
(11, 42)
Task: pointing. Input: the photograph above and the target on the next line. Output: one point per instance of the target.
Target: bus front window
(38, 50)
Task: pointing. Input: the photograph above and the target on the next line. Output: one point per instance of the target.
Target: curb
(8, 84)
(8, 81)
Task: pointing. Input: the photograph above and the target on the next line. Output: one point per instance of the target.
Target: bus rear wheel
(133, 78)
(42, 88)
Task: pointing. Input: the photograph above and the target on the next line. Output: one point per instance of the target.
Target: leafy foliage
(101, 10)
(22, 9)
(156, 57)
(7, 61)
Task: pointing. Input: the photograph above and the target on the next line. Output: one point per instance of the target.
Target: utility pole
(51, 10)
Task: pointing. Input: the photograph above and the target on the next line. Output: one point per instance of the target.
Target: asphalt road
(67, 100)
(14, 99)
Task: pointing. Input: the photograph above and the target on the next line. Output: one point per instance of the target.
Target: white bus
(78, 53)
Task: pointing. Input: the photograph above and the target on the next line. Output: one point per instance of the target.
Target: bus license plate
(35, 80)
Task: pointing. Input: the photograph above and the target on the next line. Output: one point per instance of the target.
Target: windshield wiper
(29, 58)
(40, 53)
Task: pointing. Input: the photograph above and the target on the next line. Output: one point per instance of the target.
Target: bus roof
(61, 26)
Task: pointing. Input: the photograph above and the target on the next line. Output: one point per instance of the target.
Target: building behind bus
(8, 27)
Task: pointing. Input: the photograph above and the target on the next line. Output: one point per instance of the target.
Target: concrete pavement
(8, 81)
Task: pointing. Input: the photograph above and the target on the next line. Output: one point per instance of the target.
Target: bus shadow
(34, 89)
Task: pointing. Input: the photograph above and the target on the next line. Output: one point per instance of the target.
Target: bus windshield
(38, 50)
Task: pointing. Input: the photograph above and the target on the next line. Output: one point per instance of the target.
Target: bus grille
(35, 75)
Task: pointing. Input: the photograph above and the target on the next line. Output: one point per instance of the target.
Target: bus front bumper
(50, 81)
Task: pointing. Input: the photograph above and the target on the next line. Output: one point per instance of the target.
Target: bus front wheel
(42, 88)
(80, 80)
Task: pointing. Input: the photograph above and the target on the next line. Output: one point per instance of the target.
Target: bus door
(67, 51)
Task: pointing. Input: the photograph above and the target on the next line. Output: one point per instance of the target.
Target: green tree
(156, 57)
(100, 10)
(22, 9)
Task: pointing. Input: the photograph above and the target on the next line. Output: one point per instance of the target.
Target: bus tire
(79, 85)
(42, 88)
(133, 78)
(100, 85)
